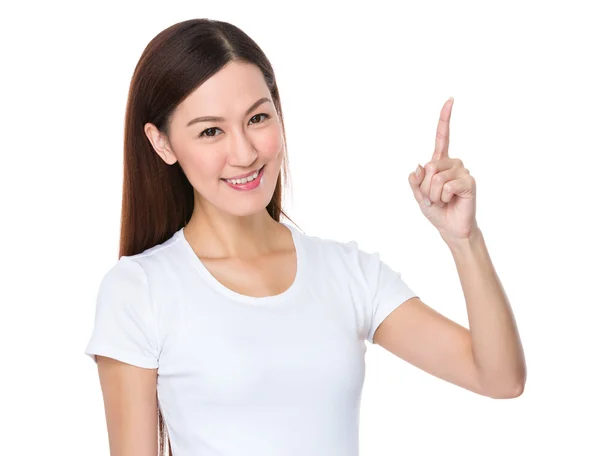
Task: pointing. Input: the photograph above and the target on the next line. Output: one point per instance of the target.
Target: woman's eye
(208, 129)
(204, 133)
(263, 114)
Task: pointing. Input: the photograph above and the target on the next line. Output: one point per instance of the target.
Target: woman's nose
(242, 152)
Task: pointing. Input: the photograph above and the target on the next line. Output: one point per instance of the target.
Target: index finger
(442, 135)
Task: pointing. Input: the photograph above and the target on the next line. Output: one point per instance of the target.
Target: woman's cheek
(272, 143)
(204, 165)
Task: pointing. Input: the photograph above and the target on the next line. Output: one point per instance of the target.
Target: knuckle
(437, 179)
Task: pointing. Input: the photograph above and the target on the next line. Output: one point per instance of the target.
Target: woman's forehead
(232, 89)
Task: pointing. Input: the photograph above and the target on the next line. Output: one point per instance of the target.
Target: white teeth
(244, 180)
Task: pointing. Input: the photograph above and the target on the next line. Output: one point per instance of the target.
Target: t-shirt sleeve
(125, 326)
(386, 290)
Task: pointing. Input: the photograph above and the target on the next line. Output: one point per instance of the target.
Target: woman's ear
(160, 143)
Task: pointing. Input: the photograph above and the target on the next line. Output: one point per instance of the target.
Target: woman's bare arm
(130, 405)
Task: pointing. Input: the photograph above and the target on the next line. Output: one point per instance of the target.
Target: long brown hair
(158, 199)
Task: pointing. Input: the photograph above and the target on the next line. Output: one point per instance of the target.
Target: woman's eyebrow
(222, 119)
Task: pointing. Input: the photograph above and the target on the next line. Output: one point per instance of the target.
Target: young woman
(230, 332)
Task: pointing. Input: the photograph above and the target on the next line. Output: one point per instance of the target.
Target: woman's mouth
(246, 183)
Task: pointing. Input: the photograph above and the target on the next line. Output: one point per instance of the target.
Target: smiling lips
(249, 182)
(243, 178)
(242, 175)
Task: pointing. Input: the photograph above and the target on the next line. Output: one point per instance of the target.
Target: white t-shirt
(245, 376)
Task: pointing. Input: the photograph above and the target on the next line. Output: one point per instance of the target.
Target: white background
(361, 88)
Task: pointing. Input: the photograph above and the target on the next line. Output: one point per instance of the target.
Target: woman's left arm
(496, 345)
(488, 357)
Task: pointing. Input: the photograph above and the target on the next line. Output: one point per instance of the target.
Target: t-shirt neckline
(222, 289)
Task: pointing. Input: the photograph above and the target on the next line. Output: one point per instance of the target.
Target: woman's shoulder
(329, 248)
(166, 254)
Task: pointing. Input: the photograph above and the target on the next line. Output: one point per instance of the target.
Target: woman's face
(249, 137)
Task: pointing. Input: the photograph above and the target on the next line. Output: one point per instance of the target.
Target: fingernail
(418, 170)
(427, 202)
